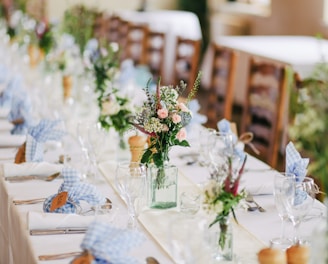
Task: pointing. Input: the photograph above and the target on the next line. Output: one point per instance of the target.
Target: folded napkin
(5, 93)
(38, 135)
(224, 126)
(109, 244)
(77, 191)
(29, 168)
(38, 220)
(7, 140)
(197, 118)
(21, 113)
(295, 163)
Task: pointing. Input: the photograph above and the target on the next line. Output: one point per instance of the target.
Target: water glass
(189, 203)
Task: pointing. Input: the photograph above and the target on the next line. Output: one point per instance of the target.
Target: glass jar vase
(162, 186)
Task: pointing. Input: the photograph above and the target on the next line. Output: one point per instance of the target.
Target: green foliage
(309, 110)
(78, 21)
(47, 40)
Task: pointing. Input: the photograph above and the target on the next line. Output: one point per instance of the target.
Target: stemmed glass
(298, 199)
(278, 193)
(221, 150)
(84, 138)
(131, 183)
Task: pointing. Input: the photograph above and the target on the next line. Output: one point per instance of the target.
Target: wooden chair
(100, 27)
(154, 53)
(264, 107)
(220, 94)
(113, 25)
(186, 61)
(122, 40)
(136, 42)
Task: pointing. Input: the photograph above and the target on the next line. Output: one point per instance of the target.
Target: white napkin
(12, 140)
(30, 168)
(5, 125)
(40, 220)
(7, 153)
(4, 111)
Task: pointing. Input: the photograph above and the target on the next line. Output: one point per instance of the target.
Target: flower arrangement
(163, 118)
(104, 64)
(46, 40)
(116, 111)
(115, 107)
(221, 198)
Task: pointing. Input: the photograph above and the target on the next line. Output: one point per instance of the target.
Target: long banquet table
(17, 246)
(253, 232)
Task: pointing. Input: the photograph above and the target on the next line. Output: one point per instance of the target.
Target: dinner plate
(11, 140)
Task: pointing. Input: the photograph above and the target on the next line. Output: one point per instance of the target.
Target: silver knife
(24, 178)
(58, 231)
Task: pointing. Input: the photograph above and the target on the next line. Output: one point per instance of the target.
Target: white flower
(110, 107)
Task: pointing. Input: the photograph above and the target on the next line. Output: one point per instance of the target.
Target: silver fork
(59, 256)
(250, 199)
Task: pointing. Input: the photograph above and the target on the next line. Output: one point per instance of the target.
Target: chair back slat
(265, 107)
(221, 92)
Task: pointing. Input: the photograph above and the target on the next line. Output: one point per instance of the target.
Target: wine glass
(298, 198)
(205, 146)
(278, 190)
(220, 153)
(130, 181)
(84, 137)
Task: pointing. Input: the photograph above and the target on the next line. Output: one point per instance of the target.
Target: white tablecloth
(16, 242)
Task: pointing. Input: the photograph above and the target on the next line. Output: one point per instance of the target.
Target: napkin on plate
(29, 168)
(41, 220)
(7, 140)
(38, 135)
(295, 163)
(109, 244)
(77, 191)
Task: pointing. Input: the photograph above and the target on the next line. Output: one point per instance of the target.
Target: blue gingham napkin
(38, 135)
(20, 105)
(109, 244)
(224, 127)
(295, 163)
(5, 94)
(77, 191)
(197, 118)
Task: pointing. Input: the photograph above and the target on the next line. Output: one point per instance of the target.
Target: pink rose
(176, 118)
(162, 113)
(183, 107)
(182, 134)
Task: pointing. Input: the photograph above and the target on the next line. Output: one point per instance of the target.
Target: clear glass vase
(162, 186)
(220, 238)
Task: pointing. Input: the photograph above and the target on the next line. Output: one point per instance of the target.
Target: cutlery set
(250, 200)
